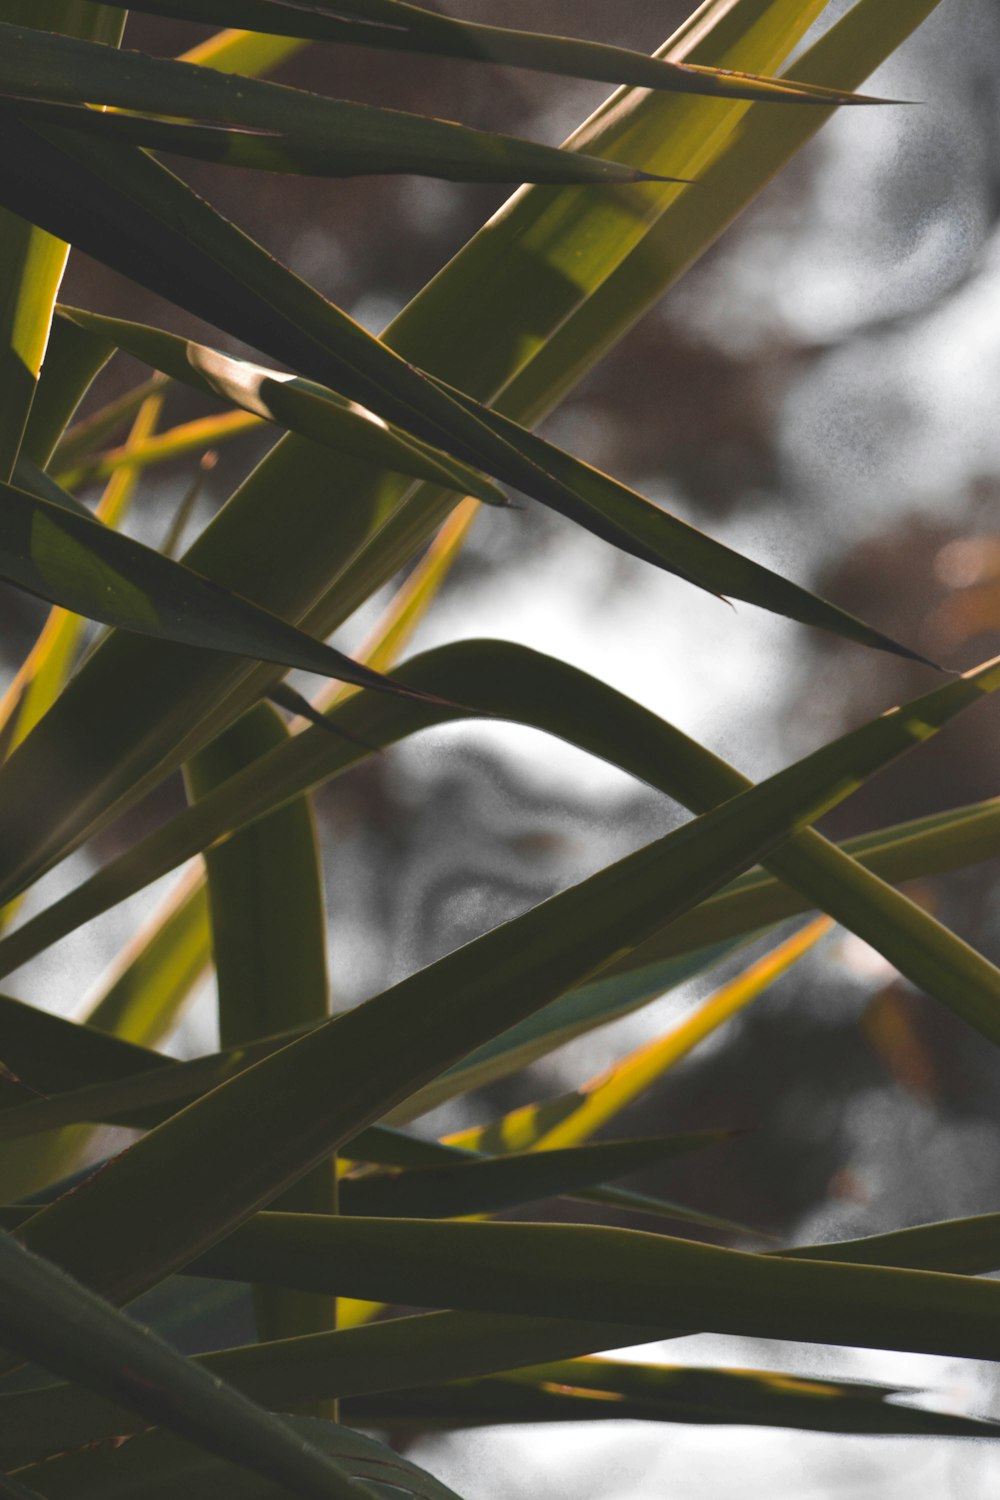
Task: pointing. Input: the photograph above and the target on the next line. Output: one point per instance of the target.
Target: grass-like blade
(603, 1390)
(438, 333)
(47, 1317)
(209, 1167)
(155, 1466)
(479, 1187)
(298, 405)
(141, 994)
(196, 436)
(648, 1281)
(411, 28)
(571, 1118)
(83, 566)
(268, 925)
(43, 673)
(352, 138)
(32, 262)
(530, 688)
(257, 299)
(592, 1390)
(448, 1346)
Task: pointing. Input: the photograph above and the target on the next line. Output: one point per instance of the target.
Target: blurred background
(821, 392)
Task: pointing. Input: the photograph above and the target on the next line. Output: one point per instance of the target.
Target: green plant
(280, 1162)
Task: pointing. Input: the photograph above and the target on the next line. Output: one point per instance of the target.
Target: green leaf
(268, 927)
(596, 1390)
(571, 1118)
(348, 138)
(88, 435)
(530, 688)
(432, 1347)
(479, 1187)
(410, 28)
(257, 299)
(535, 275)
(845, 54)
(76, 562)
(47, 1317)
(44, 671)
(154, 1466)
(141, 996)
(299, 405)
(215, 1163)
(650, 1281)
(72, 360)
(31, 261)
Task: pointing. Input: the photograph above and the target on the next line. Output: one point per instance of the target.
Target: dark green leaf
(299, 405)
(211, 1166)
(155, 1466)
(72, 560)
(348, 138)
(257, 299)
(47, 1317)
(479, 1187)
(530, 688)
(410, 28)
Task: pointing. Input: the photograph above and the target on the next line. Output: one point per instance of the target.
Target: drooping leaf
(530, 688)
(209, 1167)
(434, 1347)
(530, 294)
(651, 1282)
(258, 299)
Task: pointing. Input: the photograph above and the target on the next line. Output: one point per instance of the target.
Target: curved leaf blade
(530, 688)
(231, 1152)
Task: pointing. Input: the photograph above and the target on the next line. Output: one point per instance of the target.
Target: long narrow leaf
(299, 405)
(87, 568)
(410, 28)
(155, 1466)
(32, 262)
(437, 332)
(533, 689)
(480, 1187)
(48, 181)
(569, 1119)
(450, 1345)
(208, 1168)
(268, 927)
(47, 1317)
(353, 137)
